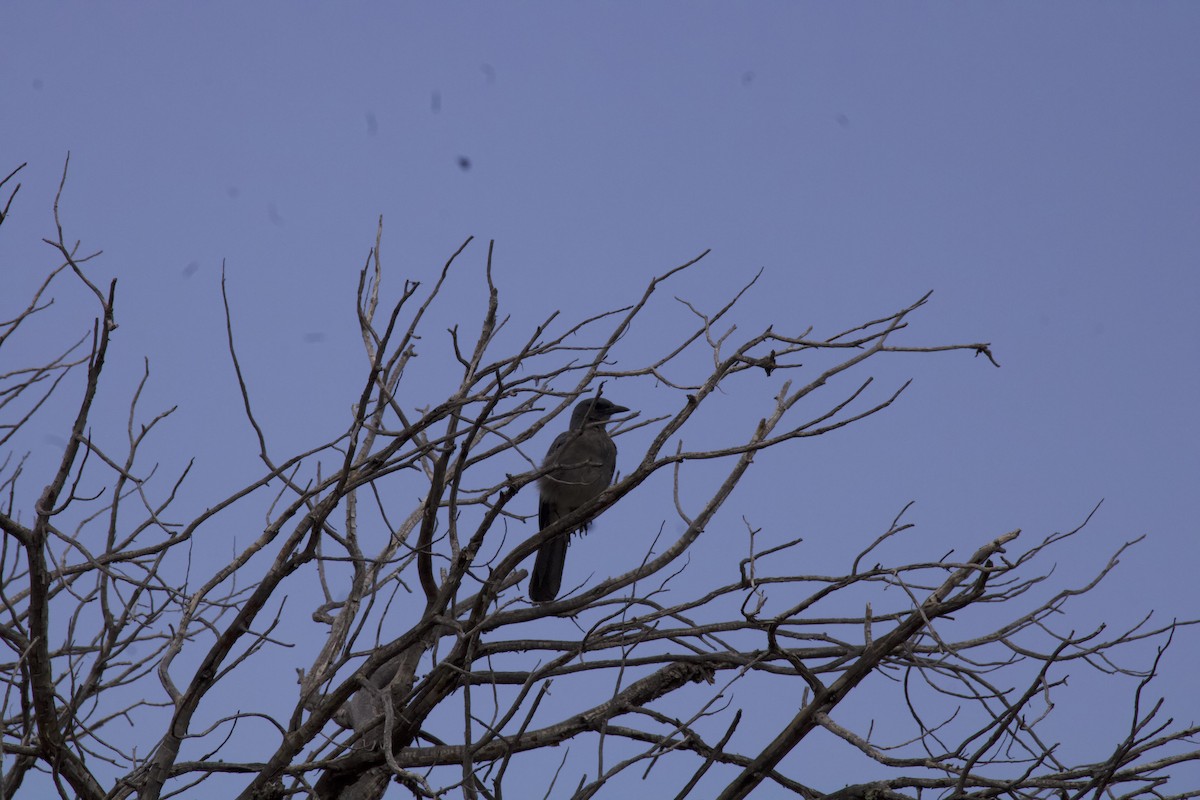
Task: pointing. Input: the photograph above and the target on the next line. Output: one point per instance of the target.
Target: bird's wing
(557, 446)
(548, 512)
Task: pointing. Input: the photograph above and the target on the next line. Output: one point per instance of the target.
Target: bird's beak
(616, 410)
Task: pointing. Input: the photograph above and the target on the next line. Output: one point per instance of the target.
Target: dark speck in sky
(191, 268)
(314, 337)
(747, 77)
(233, 192)
(842, 120)
(464, 163)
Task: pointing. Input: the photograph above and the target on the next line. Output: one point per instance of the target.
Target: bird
(580, 465)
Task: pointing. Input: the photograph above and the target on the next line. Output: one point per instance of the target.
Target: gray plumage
(584, 458)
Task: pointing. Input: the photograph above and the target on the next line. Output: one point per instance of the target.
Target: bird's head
(594, 410)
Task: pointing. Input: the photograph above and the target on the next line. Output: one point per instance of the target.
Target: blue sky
(1033, 164)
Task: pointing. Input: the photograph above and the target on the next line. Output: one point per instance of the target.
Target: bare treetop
(383, 594)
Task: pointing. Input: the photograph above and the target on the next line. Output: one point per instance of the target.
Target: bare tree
(393, 557)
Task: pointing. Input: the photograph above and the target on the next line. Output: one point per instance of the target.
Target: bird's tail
(547, 574)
